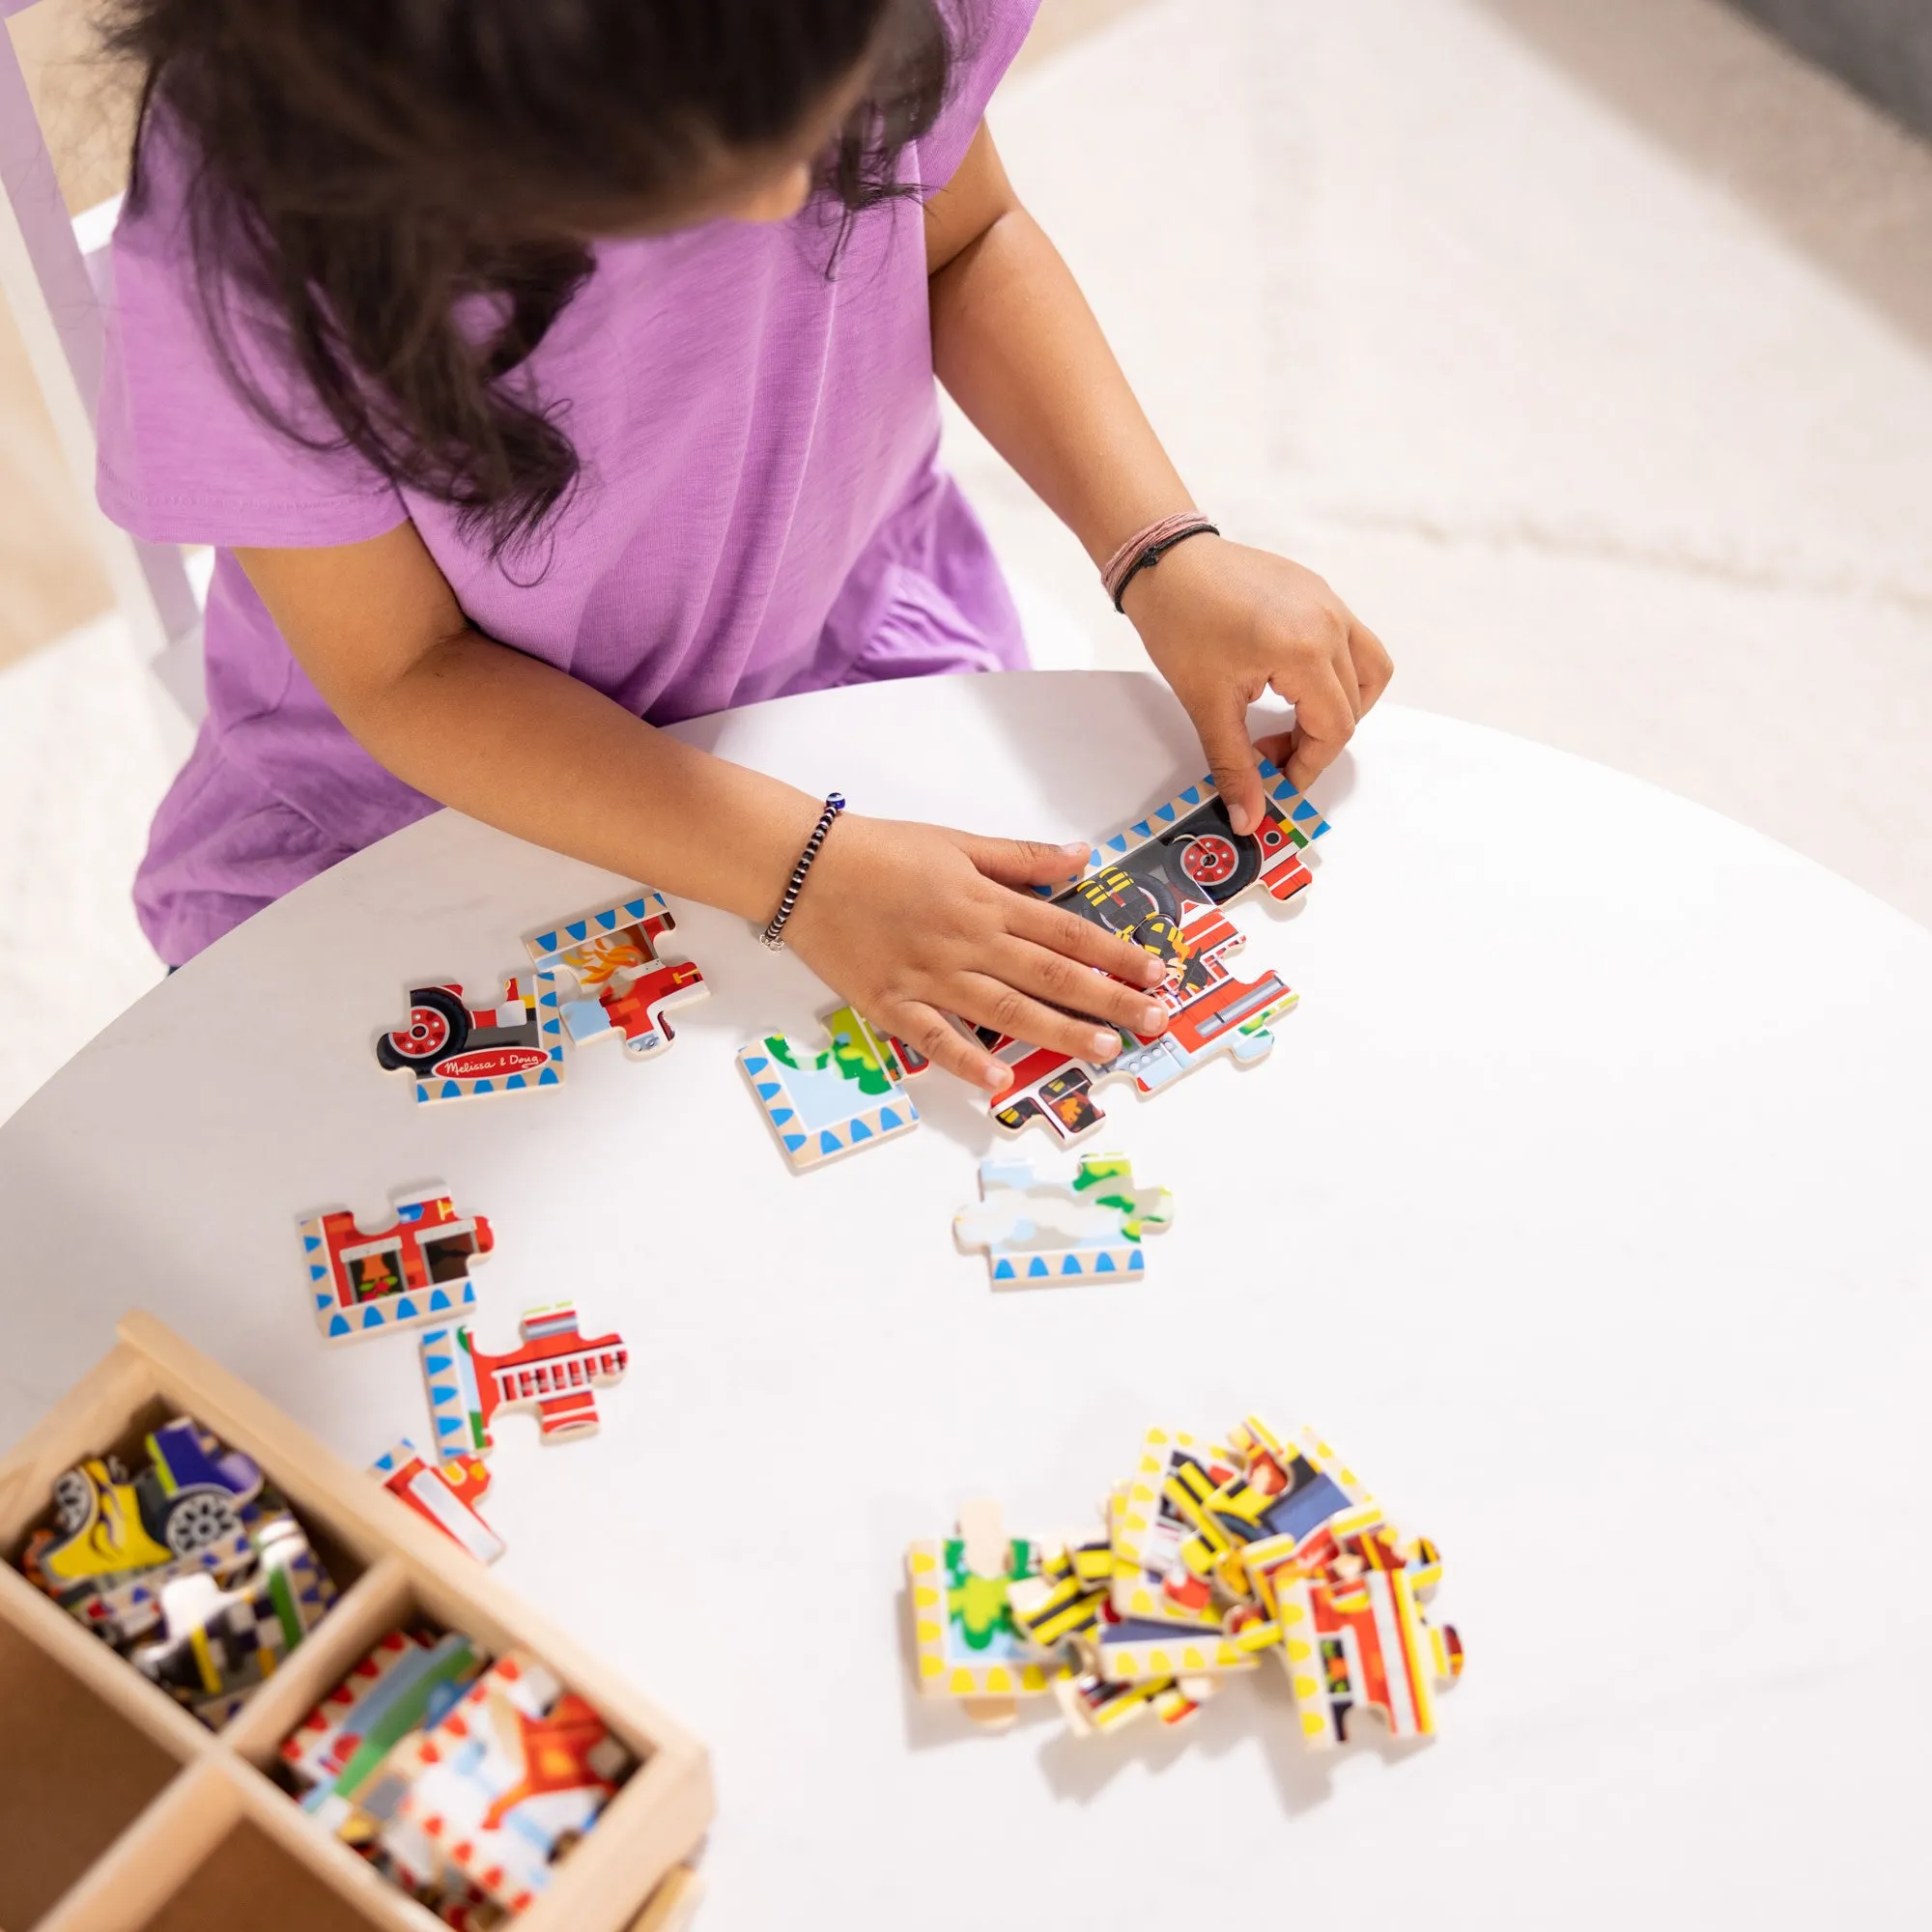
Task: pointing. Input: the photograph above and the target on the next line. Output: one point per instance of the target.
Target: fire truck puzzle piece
(1310, 1571)
(968, 1644)
(445, 1493)
(1041, 1229)
(515, 1772)
(453, 1052)
(849, 1094)
(1354, 1636)
(601, 975)
(556, 1373)
(1162, 884)
(411, 1270)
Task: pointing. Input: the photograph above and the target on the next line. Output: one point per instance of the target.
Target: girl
(546, 371)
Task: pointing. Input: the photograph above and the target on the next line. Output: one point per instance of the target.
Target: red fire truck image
(1166, 894)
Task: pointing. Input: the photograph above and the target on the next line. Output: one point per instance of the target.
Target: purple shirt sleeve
(989, 35)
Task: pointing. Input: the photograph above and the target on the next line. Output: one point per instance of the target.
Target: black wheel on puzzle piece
(73, 1502)
(439, 1027)
(197, 1518)
(1220, 864)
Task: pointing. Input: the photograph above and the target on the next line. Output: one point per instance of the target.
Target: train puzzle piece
(1162, 884)
(849, 1094)
(556, 1373)
(413, 1269)
(453, 1052)
(1041, 1229)
(1217, 1555)
(445, 1493)
(599, 975)
(515, 1772)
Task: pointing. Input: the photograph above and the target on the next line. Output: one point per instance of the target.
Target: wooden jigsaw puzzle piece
(1354, 1636)
(825, 1103)
(601, 975)
(222, 1643)
(445, 1493)
(968, 1645)
(1044, 1230)
(517, 1768)
(554, 1373)
(1162, 884)
(1186, 853)
(1095, 1707)
(413, 1270)
(454, 1052)
(1152, 1580)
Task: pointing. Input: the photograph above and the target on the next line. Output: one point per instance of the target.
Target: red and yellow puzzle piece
(1217, 1555)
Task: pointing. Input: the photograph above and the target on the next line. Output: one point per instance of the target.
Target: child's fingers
(1325, 721)
(985, 1001)
(1020, 863)
(1374, 666)
(942, 1042)
(1080, 939)
(1064, 983)
(1221, 720)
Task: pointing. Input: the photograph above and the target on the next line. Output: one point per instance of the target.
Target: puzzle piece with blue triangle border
(453, 1051)
(413, 1270)
(1046, 1226)
(600, 975)
(1164, 885)
(833, 1100)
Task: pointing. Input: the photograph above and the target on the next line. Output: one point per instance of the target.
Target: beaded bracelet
(1146, 548)
(772, 934)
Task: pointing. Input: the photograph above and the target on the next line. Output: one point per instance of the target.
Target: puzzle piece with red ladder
(556, 1372)
(1161, 885)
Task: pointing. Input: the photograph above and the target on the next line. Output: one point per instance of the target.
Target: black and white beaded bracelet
(772, 934)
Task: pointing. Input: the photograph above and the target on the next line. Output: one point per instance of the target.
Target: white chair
(54, 276)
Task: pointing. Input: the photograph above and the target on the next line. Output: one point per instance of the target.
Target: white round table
(1583, 1204)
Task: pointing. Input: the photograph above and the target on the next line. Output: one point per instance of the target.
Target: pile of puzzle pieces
(1214, 1558)
(461, 1780)
(193, 1569)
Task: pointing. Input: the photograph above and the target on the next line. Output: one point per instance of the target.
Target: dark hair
(361, 167)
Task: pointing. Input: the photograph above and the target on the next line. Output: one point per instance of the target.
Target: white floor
(1587, 350)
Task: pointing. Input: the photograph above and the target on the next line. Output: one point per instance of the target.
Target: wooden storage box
(120, 1812)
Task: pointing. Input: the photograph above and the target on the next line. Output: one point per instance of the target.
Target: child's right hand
(912, 923)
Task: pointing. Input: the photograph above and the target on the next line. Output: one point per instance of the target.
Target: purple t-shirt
(759, 509)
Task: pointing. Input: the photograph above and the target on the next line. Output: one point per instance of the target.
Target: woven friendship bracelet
(772, 935)
(1146, 548)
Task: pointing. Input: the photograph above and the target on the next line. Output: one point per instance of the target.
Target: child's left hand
(1224, 624)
